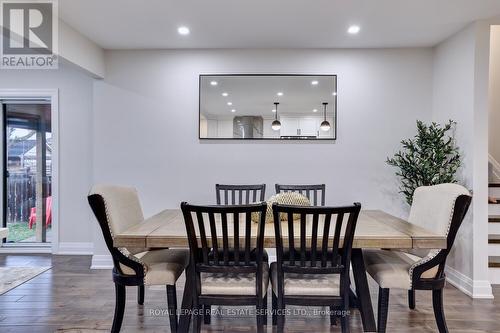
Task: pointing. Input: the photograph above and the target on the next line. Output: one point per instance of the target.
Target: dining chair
(441, 209)
(237, 195)
(240, 194)
(116, 209)
(309, 272)
(312, 192)
(227, 257)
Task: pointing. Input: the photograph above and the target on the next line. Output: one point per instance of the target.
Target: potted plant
(430, 158)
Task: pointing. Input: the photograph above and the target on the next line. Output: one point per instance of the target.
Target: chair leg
(383, 308)
(333, 317)
(411, 299)
(119, 308)
(344, 323)
(207, 310)
(172, 307)
(260, 316)
(140, 295)
(344, 318)
(280, 322)
(274, 305)
(198, 315)
(437, 304)
(264, 310)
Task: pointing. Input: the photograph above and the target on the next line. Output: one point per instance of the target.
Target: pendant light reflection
(276, 125)
(325, 125)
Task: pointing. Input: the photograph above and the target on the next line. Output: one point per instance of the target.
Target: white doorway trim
(53, 96)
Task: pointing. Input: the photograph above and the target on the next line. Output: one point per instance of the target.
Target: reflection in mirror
(300, 107)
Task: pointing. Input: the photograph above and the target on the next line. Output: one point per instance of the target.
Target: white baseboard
(101, 262)
(75, 248)
(482, 289)
(472, 288)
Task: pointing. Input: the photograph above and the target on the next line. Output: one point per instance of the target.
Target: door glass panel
(27, 199)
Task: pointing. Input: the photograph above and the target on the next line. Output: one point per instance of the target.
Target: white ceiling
(150, 24)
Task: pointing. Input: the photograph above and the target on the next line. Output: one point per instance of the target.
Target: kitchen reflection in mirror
(297, 107)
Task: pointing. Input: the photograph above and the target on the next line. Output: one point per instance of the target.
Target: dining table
(375, 229)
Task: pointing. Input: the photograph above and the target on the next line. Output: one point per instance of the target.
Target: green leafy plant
(430, 158)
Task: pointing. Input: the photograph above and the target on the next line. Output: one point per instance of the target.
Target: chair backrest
(433, 206)
(312, 192)
(117, 208)
(123, 208)
(441, 209)
(240, 194)
(303, 228)
(223, 239)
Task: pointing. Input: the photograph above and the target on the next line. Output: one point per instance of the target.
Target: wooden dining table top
(375, 229)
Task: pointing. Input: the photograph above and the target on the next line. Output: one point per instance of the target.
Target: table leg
(353, 299)
(364, 301)
(187, 304)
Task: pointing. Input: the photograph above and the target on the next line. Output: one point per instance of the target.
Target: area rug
(11, 277)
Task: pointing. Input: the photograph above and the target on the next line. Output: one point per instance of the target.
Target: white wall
(146, 112)
(81, 51)
(75, 138)
(460, 92)
(494, 116)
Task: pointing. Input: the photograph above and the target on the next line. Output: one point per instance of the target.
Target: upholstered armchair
(441, 209)
(116, 209)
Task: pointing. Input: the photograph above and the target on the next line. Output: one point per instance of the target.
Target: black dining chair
(441, 209)
(312, 267)
(240, 194)
(312, 192)
(227, 257)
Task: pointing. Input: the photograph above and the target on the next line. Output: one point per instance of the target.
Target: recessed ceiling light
(353, 29)
(213, 83)
(334, 93)
(229, 103)
(280, 94)
(314, 83)
(315, 110)
(273, 110)
(183, 31)
(225, 94)
(233, 110)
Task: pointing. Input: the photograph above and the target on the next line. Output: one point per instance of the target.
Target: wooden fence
(21, 195)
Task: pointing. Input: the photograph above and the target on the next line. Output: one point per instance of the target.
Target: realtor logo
(29, 34)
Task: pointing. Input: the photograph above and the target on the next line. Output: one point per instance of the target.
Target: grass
(19, 232)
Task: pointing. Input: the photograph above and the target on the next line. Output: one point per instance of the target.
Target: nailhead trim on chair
(127, 253)
(123, 250)
(432, 253)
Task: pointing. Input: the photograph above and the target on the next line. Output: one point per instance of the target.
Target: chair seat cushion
(306, 284)
(390, 269)
(233, 284)
(162, 266)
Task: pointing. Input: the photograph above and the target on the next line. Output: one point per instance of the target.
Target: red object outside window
(48, 218)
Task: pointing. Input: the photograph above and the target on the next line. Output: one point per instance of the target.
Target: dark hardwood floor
(72, 298)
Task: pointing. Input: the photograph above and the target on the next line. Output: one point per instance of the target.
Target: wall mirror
(271, 107)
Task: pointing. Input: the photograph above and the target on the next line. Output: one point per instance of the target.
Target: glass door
(27, 201)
